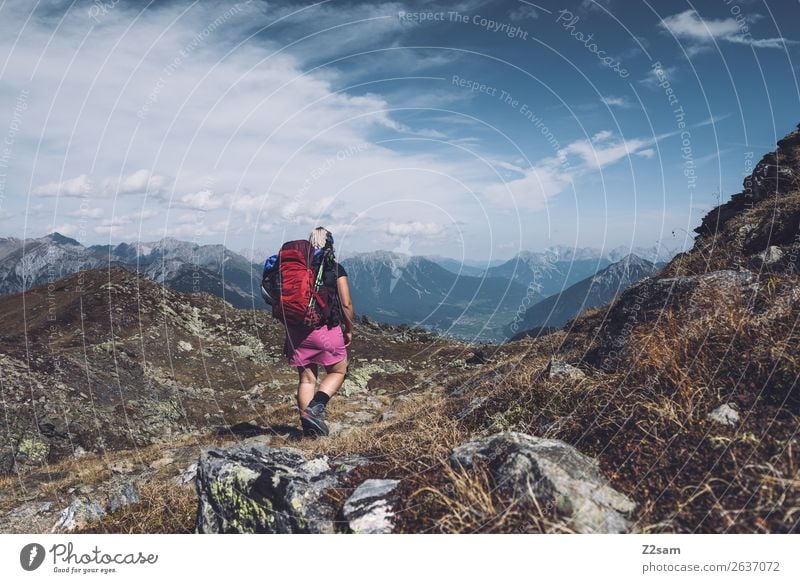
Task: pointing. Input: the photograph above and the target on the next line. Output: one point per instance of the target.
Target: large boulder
(254, 488)
(369, 509)
(548, 472)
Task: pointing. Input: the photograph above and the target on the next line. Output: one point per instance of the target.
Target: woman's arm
(347, 308)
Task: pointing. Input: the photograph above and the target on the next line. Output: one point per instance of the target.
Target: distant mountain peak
(632, 258)
(380, 255)
(59, 239)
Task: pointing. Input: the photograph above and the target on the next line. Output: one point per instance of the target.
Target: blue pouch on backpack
(269, 290)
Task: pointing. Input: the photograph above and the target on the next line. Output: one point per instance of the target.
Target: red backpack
(298, 301)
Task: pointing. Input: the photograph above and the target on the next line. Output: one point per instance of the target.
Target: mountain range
(465, 298)
(596, 290)
(395, 289)
(556, 268)
(180, 265)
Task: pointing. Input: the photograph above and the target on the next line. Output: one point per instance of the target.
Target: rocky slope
(105, 364)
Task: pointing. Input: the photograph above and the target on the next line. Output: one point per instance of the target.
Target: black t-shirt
(330, 277)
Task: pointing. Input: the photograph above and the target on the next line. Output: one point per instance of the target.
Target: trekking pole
(317, 282)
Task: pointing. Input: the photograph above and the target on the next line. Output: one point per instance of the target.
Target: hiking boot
(313, 420)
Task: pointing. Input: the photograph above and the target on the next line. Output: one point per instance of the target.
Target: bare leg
(334, 378)
(307, 385)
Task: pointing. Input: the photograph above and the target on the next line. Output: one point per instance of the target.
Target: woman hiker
(309, 348)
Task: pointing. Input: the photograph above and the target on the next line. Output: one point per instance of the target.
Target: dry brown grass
(647, 422)
(723, 342)
(420, 432)
(467, 501)
(164, 508)
(164, 504)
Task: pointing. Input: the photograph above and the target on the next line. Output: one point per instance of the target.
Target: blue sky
(463, 129)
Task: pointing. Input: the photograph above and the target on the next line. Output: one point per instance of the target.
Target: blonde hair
(318, 237)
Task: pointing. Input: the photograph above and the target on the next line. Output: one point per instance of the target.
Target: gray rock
(724, 415)
(369, 508)
(367, 321)
(772, 255)
(359, 417)
(186, 476)
(358, 378)
(550, 473)
(338, 428)
(373, 403)
(124, 495)
(558, 369)
(78, 514)
(89, 507)
(162, 462)
(29, 509)
(389, 415)
(768, 258)
(256, 488)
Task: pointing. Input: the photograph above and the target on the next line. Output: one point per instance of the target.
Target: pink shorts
(304, 346)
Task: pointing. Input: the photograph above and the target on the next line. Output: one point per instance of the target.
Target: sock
(320, 397)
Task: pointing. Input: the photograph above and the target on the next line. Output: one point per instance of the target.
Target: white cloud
(651, 80)
(621, 102)
(108, 225)
(712, 120)
(201, 200)
(88, 213)
(551, 176)
(688, 24)
(257, 141)
(256, 122)
(523, 12)
(416, 228)
(72, 187)
(701, 33)
(596, 157)
(65, 229)
(355, 27)
(140, 182)
(602, 136)
(546, 179)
